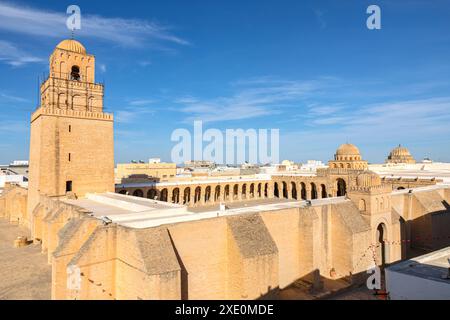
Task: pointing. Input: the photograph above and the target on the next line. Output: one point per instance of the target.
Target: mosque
(173, 240)
(400, 155)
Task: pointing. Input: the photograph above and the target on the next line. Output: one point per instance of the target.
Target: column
(169, 195)
(308, 192)
(181, 196)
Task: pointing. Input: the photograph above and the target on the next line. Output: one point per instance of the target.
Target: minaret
(71, 138)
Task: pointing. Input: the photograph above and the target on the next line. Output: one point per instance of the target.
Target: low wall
(13, 205)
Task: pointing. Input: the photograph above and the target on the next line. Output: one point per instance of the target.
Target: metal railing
(68, 77)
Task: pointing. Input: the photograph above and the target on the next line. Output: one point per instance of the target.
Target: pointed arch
(293, 190)
(276, 192)
(313, 191)
(303, 190)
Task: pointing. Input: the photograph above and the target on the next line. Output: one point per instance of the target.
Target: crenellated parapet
(371, 189)
(78, 114)
(369, 182)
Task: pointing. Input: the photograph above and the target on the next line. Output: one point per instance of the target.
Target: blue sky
(310, 68)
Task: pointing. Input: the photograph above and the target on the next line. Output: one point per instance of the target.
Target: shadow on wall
(315, 286)
(184, 274)
(427, 233)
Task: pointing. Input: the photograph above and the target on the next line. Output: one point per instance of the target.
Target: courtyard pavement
(24, 272)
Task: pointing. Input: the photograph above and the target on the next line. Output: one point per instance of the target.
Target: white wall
(12, 178)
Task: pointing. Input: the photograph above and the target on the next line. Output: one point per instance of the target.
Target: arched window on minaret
(88, 75)
(62, 101)
(90, 105)
(62, 70)
(75, 74)
(77, 102)
(362, 205)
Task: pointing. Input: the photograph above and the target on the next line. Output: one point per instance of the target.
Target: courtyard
(25, 274)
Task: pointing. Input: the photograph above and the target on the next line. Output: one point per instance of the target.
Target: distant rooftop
(204, 180)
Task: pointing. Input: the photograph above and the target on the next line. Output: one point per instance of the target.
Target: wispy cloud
(123, 116)
(252, 98)
(135, 111)
(320, 18)
(141, 102)
(102, 67)
(395, 114)
(145, 63)
(14, 56)
(369, 126)
(323, 110)
(12, 126)
(9, 97)
(127, 32)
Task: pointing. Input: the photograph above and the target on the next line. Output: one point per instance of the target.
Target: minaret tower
(71, 138)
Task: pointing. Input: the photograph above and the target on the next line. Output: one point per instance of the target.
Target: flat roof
(136, 212)
(419, 170)
(418, 189)
(432, 266)
(140, 213)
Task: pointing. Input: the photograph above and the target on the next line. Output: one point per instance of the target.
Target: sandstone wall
(202, 248)
(351, 239)
(429, 220)
(426, 217)
(2, 207)
(146, 259)
(74, 146)
(296, 236)
(13, 205)
(236, 257)
(96, 262)
(253, 258)
(246, 256)
(72, 236)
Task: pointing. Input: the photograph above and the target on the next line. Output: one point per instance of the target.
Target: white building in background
(290, 165)
(13, 178)
(423, 278)
(154, 160)
(424, 170)
(16, 173)
(272, 169)
(312, 166)
(18, 163)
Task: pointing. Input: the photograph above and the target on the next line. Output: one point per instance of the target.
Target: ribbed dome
(400, 151)
(71, 45)
(368, 179)
(347, 149)
(400, 155)
(347, 156)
